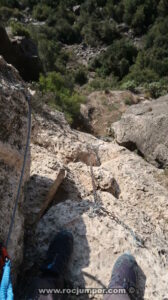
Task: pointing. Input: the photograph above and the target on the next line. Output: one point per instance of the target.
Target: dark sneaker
(59, 254)
(124, 274)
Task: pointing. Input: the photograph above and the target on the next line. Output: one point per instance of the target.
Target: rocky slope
(13, 129)
(127, 186)
(130, 213)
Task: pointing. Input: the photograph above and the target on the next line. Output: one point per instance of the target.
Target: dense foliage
(63, 95)
(113, 24)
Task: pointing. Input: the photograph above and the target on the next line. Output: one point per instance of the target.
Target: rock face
(13, 129)
(144, 127)
(21, 53)
(135, 191)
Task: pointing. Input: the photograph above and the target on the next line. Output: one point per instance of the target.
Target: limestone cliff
(13, 132)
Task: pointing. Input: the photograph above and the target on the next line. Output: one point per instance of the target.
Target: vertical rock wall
(13, 134)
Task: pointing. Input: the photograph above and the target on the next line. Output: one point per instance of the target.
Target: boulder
(144, 128)
(22, 53)
(13, 135)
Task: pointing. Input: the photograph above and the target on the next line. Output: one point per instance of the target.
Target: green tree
(139, 14)
(138, 21)
(108, 32)
(51, 55)
(130, 8)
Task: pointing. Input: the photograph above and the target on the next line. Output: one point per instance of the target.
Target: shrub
(66, 33)
(129, 85)
(65, 98)
(96, 25)
(141, 76)
(6, 13)
(138, 21)
(104, 84)
(49, 52)
(41, 12)
(157, 89)
(81, 76)
(123, 67)
(129, 10)
(114, 9)
(90, 32)
(163, 8)
(117, 59)
(156, 59)
(53, 82)
(19, 29)
(108, 32)
(89, 6)
(139, 14)
(154, 89)
(70, 105)
(156, 55)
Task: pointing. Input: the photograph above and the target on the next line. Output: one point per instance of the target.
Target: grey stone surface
(144, 127)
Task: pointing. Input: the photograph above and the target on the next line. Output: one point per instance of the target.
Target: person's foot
(124, 274)
(59, 254)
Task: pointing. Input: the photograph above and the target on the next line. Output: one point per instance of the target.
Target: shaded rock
(76, 9)
(21, 52)
(41, 191)
(144, 127)
(13, 134)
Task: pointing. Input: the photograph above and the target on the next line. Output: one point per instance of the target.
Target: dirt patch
(106, 107)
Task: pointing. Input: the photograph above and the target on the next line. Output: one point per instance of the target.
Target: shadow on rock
(64, 215)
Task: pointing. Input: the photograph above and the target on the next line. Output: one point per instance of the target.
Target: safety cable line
(98, 207)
